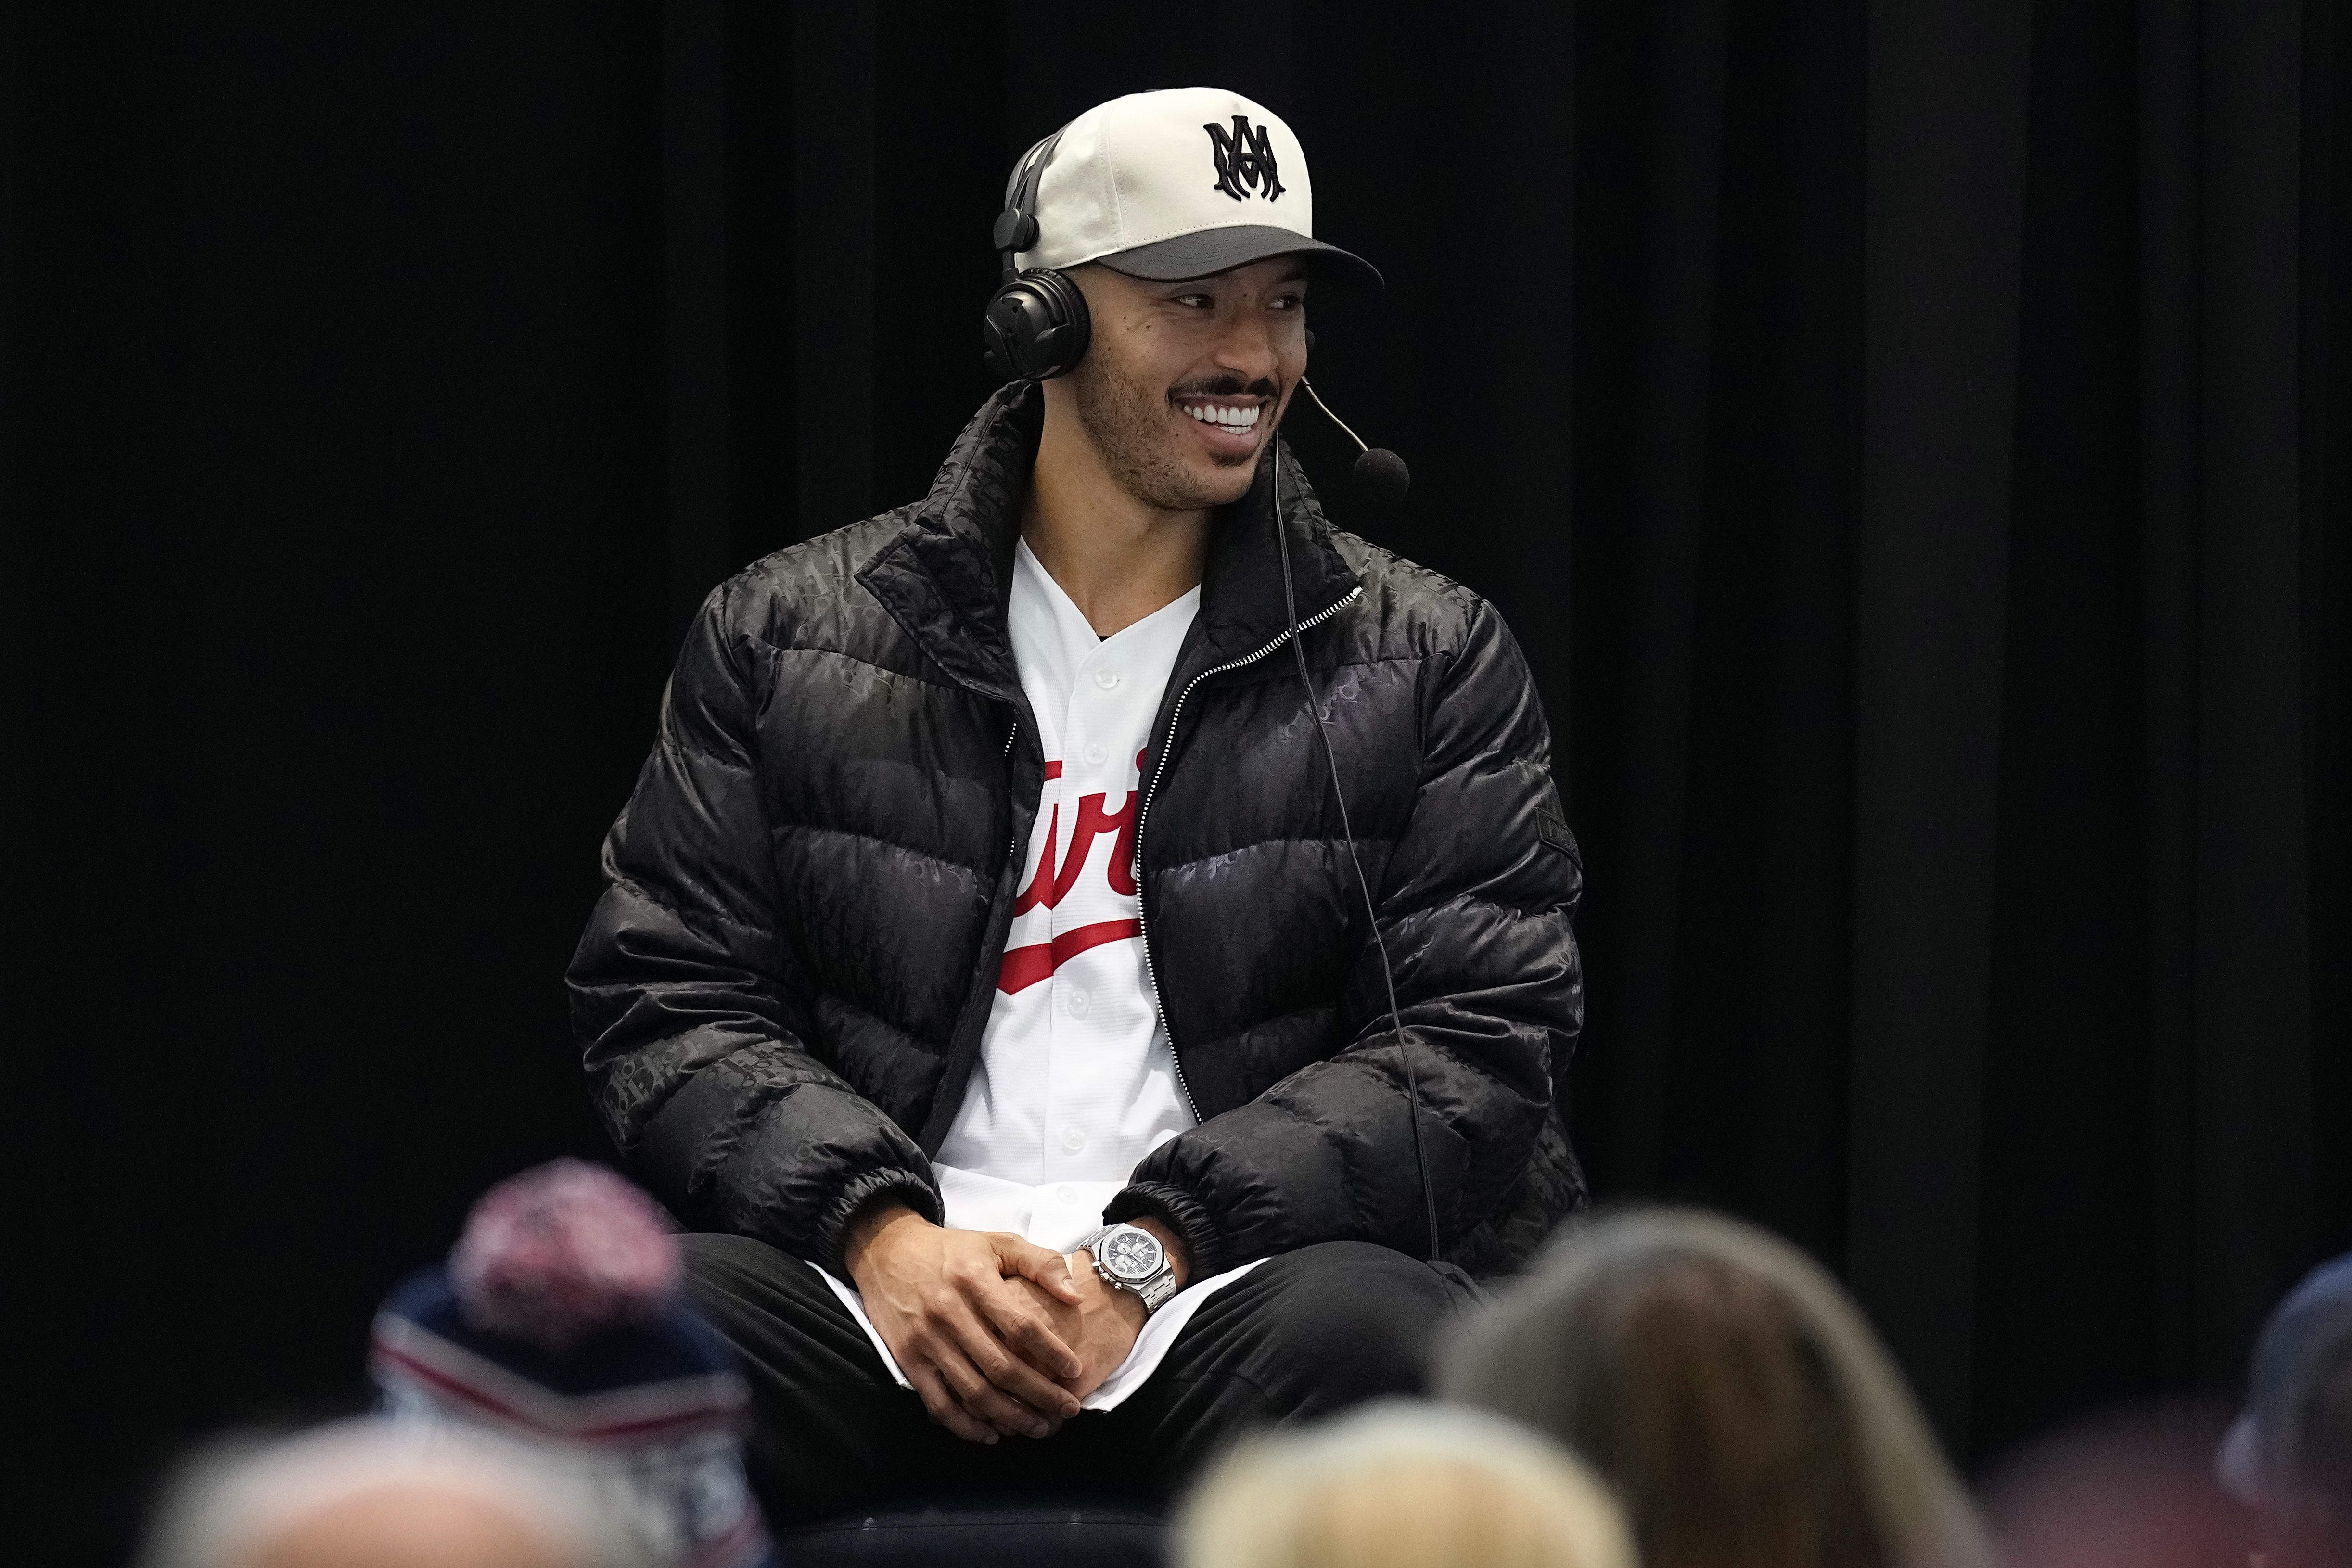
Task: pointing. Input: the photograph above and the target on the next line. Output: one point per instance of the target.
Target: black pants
(1302, 1335)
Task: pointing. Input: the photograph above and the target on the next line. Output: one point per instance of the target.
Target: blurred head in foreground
(1726, 1388)
(558, 1329)
(1401, 1485)
(2128, 1489)
(2289, 1455)
(363, 1494)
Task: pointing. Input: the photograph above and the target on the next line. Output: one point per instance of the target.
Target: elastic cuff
(862, 1193)
(1204, 1244)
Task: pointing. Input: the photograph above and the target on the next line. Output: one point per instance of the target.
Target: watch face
(1131, 1255)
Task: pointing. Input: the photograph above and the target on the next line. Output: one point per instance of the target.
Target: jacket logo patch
(1245, 157)
(1552, 828)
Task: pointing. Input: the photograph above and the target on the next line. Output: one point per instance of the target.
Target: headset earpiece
(1036, 326)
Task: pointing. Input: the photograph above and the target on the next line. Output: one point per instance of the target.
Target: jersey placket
(1086, 767)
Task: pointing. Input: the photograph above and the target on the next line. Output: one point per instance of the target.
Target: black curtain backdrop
(1911, 439)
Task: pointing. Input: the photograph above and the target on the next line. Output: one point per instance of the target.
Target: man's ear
(1093, 279)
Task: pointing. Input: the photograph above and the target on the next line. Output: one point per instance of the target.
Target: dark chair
(1062, 1532)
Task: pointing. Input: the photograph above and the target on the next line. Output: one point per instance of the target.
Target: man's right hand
(981, 1354)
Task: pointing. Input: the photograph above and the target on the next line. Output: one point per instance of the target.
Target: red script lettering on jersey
(1024, 966)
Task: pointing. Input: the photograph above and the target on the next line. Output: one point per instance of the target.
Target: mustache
(1226, 386)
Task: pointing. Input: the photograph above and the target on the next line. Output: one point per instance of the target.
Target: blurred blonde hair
(227, 1500)
(1401, 1485)
(1727, 1389)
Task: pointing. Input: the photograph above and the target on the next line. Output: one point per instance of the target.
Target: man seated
(983, 966)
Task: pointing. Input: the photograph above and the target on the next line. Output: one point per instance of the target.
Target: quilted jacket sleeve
(684, 998)
(1475, 903)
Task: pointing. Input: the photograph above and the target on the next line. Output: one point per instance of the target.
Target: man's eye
(1195, 301)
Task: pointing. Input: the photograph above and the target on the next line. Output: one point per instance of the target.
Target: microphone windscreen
(1381, 477)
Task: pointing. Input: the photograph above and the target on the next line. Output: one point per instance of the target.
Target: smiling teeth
(1225, 416)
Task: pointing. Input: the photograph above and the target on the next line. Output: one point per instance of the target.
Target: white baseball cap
(1177, 183)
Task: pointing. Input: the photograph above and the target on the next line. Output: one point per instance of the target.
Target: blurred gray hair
(1551, 1353)
(234, 1493)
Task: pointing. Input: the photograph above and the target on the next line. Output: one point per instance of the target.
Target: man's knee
(1361, 1316)
(718, 1255)
(719, 1269)
(747, 1286)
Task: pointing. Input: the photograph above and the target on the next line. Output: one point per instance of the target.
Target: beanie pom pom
(562, 1250)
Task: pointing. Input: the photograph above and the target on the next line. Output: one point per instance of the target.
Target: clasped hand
(1000, 1337)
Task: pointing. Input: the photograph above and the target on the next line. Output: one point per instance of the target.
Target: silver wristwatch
(1130, 1258)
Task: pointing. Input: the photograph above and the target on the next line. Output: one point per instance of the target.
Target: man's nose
(1247, 347)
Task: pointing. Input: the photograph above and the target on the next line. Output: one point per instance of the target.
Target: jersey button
(1073, 1140)
(1106, 679)
(1066, 1193)
(1076, 1002)
(1094, 755)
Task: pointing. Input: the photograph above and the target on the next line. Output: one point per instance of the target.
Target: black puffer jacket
(781, 994)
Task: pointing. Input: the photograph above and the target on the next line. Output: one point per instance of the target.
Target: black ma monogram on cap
(1245, 157)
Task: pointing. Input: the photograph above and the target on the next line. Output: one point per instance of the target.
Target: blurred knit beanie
(557, 1326)
(2290, 1452)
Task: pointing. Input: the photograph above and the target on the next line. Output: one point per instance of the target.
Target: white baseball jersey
(1075, 1081)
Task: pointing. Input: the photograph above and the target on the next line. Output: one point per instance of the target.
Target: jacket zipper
(1013, 845)
(935, 1127)
(1143, 817)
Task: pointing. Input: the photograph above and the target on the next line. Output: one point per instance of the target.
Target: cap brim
(1222, 249)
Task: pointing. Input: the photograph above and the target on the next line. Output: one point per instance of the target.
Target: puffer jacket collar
(946, 577)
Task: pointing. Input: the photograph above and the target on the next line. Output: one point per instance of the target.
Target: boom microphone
(1381, 474)
(1382, 477)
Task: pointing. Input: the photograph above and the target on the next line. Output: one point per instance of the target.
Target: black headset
(1037, 326)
